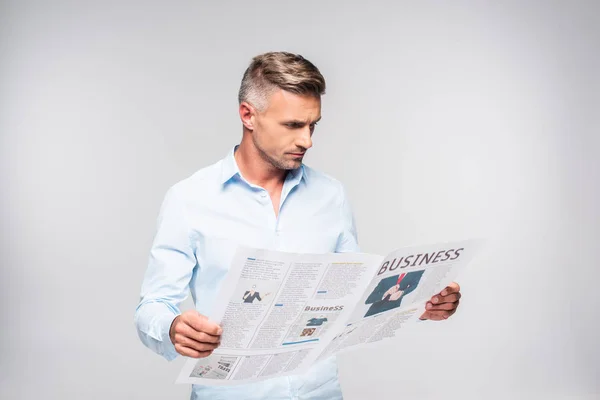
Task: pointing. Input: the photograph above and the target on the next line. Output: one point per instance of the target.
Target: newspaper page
(281, 312)
(398, 292)
(279, 306)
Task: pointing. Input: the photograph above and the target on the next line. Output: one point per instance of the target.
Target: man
(252, 294)
(260, 195)
(390, 291)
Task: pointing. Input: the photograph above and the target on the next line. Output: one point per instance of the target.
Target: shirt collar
(230, 169)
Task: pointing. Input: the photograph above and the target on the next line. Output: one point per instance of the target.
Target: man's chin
(289, 165)
(286, 163)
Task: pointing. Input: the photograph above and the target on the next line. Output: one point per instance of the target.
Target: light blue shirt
(202, 220)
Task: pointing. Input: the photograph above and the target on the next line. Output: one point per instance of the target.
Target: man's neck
(256, 170)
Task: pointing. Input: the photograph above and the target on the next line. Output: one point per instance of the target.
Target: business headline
(417, 260)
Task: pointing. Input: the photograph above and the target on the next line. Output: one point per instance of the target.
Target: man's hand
(444, 304)
(396, 295)
(194, 335)
(390, 291)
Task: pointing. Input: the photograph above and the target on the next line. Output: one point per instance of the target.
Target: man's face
(282, 133)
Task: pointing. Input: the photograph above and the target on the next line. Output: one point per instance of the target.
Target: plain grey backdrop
(445, 120)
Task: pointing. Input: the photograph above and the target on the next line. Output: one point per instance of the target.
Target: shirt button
(263, 194)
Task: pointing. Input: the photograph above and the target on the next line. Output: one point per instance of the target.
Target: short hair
(269, 71)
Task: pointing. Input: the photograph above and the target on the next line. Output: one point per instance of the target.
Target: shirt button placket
(266, 201)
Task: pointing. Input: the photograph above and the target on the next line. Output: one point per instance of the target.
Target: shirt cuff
(167, 348)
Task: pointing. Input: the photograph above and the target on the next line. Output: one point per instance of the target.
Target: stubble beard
(277, 163)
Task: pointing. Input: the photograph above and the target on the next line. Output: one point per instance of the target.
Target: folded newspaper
(282, 312)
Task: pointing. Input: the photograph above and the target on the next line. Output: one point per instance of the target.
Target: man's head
(280, 104)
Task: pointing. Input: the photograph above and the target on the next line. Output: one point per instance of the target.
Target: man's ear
(247, 113)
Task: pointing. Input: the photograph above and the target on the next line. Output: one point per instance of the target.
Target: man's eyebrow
(299, 123)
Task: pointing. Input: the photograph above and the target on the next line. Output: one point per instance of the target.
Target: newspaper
(282, 312)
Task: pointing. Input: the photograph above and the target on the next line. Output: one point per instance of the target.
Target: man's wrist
(172, 329)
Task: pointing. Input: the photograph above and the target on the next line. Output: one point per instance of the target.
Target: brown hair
(269, 71)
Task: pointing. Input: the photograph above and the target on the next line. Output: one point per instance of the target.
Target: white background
(445, 120)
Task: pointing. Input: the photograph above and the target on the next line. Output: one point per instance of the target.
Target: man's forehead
(292, 106)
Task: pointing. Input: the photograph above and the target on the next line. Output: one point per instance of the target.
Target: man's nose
(305, 139)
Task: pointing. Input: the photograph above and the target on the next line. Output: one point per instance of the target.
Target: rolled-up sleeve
(348, 239)
(166, 282)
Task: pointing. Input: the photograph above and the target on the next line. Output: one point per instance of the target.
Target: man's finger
(201, 337)
(427, 315)
(451, 288)
(437, 315)
(186, 351)
(202, 324)
(444, 306)
(451, 298)
(193, 344)
(433, 315)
